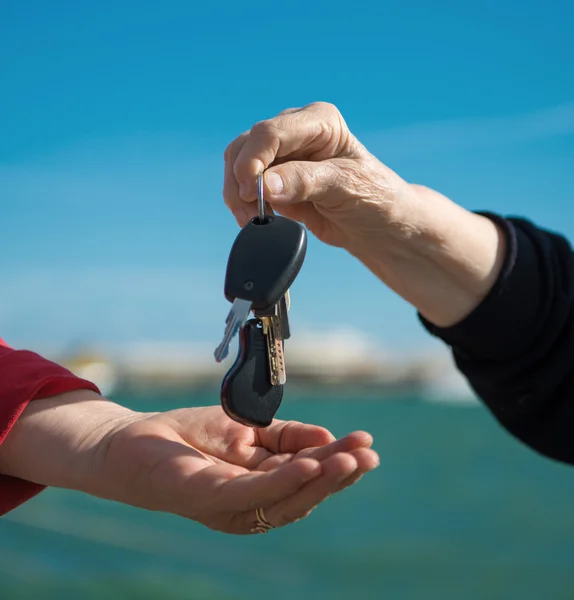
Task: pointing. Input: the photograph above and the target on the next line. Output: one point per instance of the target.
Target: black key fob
(264, 261)
(247, 395)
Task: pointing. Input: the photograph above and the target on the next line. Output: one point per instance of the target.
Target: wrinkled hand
(439, 257)
(193, 462)
(318, 173)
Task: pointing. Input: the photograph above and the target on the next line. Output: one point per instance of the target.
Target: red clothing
(26, 376)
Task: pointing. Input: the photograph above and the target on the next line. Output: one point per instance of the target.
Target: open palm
(200, 464)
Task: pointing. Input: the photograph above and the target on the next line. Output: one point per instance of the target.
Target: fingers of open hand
(225, 497)
(368, 460)
(265, 489)
(338, 472)
(335, 470)
(358, 443)
(353, 441)
(288, 508)
(287, 492)
(292, 436)
(286, 452)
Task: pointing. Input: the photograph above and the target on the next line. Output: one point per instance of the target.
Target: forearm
(502, 297)
(439, 257)
(60, 441)
(517, 347)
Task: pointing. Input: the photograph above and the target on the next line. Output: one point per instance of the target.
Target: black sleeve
(517, 348)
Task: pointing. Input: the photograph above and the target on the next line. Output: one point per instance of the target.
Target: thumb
(299, 181)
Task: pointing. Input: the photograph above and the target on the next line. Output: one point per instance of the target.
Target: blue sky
(115, 115)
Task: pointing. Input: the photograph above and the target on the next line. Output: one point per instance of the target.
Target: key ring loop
(260, 199)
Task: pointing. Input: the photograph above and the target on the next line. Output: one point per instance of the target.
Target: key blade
(279, 356)
(222, 351)
(274, 343)
(234, 321)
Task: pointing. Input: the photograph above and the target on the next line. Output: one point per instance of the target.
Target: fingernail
(274, 183)
(241, 217)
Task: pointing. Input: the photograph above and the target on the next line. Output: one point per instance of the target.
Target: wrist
(438, 256)
(61, 441)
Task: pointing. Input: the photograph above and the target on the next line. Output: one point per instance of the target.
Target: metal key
(264, 260)
(274, 339)
(235, 319)
(247, 395)
(240, 309)
(276, 329)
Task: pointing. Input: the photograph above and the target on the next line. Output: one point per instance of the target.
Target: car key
(274, 340)
(247, 395)
(276, 327)
(265, 259)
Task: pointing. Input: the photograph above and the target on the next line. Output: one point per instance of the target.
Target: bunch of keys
(265, 259)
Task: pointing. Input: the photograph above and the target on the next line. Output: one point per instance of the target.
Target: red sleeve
(26, 376)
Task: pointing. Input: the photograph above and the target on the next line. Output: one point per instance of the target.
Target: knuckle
(244, 168)
(289, 111)
(307, 182)
(306, 185)
(324, 107)
(266, 128)
(239, 169)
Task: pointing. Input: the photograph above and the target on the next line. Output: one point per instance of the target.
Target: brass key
(274, 339)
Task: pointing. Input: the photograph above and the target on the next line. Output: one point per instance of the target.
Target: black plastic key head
(247, 395)
(265, 259)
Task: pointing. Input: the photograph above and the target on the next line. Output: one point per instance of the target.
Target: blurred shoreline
(333, 362)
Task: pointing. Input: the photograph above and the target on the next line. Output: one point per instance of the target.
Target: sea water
(458, 509)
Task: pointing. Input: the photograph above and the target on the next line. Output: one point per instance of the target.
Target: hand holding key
(263, 263)
(317, 173)
(439, 257)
